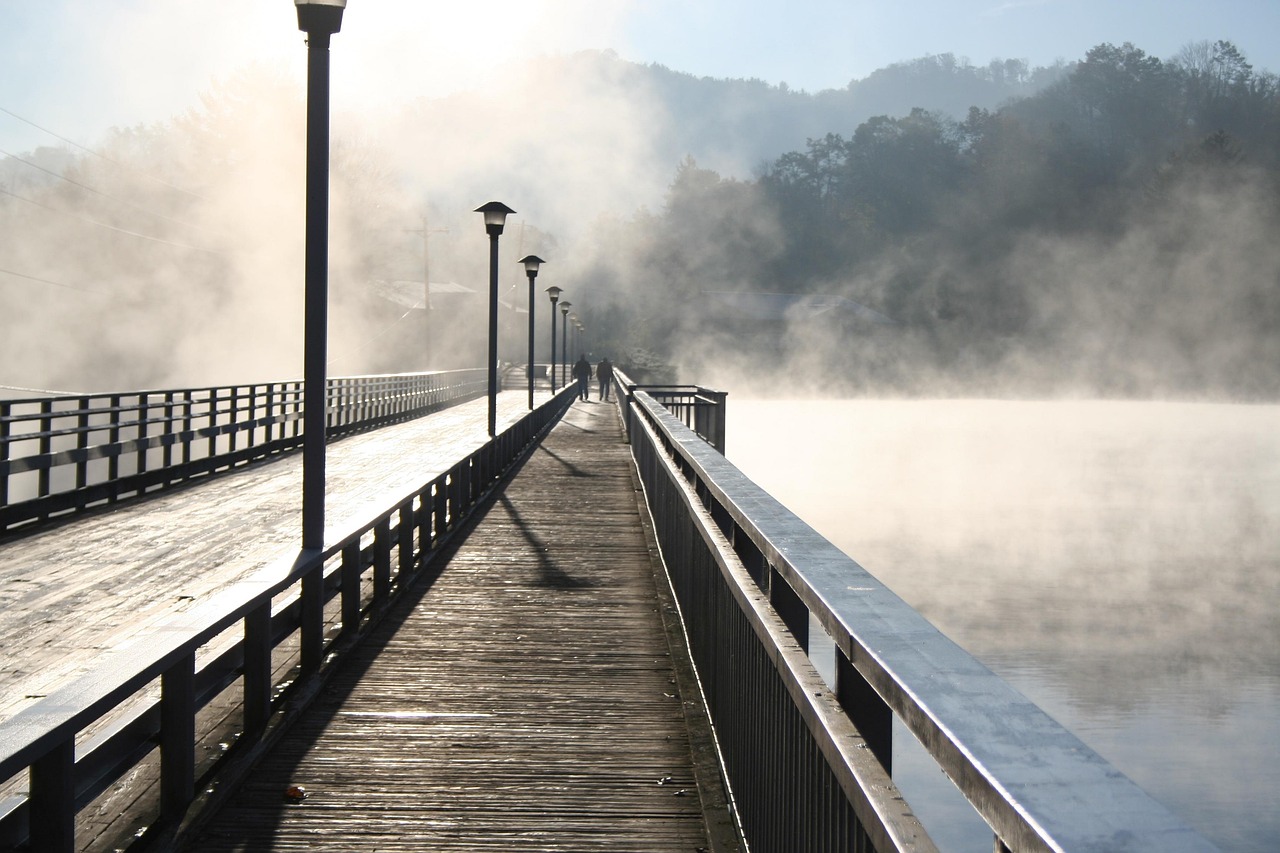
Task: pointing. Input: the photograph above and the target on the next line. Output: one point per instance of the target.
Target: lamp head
(531, 264)
(564, 308)
(554, 292)
(495, 216)
(320, 17)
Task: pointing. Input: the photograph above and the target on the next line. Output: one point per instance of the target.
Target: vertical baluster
(46, 447)
(253, 414)
(351, 586)
(270, 408)
(82, 445)
(440, 498)
(167, 454)
(140, 438)
(113, 440)
(405, 540)
(188, 400)
(257, 668)
(177, 737)
(382, 560)
(311, 618)
(52, 800)
(233, 418)
(212, 423)
(867, 711)
(6, 412)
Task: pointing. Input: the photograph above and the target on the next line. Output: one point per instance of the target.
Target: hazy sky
(79, 68)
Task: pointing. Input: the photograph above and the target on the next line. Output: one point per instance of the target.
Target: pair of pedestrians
(604, 377)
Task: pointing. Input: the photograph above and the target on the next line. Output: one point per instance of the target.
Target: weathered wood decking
(526, 700)
(72, 593)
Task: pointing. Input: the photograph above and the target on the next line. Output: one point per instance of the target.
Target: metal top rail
(1036, 784)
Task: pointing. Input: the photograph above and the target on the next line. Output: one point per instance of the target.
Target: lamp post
(495, 216)
(319, 19)
(554, 292)
(564, 338)
(531, 264)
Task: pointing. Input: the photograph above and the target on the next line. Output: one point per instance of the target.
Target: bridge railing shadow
(809, 763)
(64, 454)
(232, 672)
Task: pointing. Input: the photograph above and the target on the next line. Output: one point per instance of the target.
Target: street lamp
(564, 338)
(319, 19)
(554, 292)
(495, 216)
(531, 264)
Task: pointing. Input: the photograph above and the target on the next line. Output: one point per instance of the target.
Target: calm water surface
(1116, 562)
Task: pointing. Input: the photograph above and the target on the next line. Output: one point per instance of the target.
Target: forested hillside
(1113, 233)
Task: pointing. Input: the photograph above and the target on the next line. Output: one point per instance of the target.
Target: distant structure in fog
(787, 307)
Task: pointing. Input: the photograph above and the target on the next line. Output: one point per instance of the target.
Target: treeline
(1112, 233)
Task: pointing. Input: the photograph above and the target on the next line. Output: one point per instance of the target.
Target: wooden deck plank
(74, 591)
(525, 701)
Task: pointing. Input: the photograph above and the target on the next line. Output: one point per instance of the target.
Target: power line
(107, 226)
(97, 191)
(102, 156)
(46, 281)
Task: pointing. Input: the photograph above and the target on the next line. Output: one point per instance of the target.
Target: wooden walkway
(75, 593)
(524, 700)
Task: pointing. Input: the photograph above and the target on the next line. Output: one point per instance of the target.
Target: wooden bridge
(589, 633)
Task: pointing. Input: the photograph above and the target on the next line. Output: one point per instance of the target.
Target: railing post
(6, 410)
(789, 607)
(257, 668)
(82, 444)
(350, 586)
(52, 800)
(382, 559)
(177, 738)
(405, 538)
(166, 455)
(866, 710)
(46, 446)
(140, 466)
(311, 618)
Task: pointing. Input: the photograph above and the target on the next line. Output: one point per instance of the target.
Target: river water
(1116, 562)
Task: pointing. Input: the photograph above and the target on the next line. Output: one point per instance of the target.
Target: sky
(77, 69)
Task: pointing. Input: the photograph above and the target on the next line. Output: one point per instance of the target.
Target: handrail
(395, 546)
(65, 454)
(700, 409)
(741, 563)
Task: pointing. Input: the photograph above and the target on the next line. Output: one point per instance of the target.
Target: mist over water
(1115, 561)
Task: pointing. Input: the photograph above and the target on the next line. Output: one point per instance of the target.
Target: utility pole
(426, 233)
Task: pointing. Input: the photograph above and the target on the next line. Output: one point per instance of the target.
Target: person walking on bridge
(604, 376)
(582, 372)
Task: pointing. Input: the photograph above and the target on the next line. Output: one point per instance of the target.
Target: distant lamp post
(531, 264)
(495, 216)
(319, 19)
(564, 339)
(554, 292)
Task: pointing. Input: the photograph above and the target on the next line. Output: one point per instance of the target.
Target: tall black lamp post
(531, 264)
(495, 216)
(554, 292)
(319, 19)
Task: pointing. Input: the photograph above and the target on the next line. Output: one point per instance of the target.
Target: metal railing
(65, 454)
(308, 608)
(700, 409)
(809, 764)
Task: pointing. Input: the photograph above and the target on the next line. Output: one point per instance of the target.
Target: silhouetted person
(604, 375)
(582, 372)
